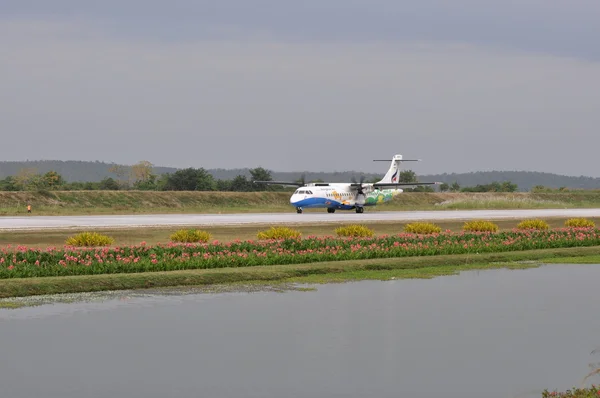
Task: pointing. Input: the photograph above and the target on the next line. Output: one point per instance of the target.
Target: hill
(95, 171)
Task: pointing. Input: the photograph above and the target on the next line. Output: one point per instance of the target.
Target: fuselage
(340, 196)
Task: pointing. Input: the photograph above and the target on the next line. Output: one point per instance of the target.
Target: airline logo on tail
(395, 176)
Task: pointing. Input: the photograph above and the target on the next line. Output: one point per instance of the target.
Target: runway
(157, 220)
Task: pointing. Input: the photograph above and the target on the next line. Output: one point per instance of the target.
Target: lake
(492, 333)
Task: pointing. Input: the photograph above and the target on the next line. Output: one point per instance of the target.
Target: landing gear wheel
(299, 210)
(330, 210)
(360, 209)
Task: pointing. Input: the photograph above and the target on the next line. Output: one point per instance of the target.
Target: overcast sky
(320, 85)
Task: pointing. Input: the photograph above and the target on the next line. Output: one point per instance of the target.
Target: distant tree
(204, 180)
(109, 184)
(142, 176)
(26, 178)
(240, 184)
(121, 172)
(162, 182)
(182, 180)
(53, 180)
(407, 176)
(224, 185)
(508, 186)
(260, 174)
(455, 187)
(444, 187)
(190, 179)
(9, 184)
(494, 186)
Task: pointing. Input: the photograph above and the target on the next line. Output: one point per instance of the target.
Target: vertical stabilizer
(393, 174)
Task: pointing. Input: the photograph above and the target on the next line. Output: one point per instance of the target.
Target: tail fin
(393, 174)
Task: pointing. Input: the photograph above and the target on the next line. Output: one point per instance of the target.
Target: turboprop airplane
(349, 196)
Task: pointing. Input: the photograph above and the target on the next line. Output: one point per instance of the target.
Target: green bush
(480, 226)
(580, 223)
(190, 236)
(354, 231)
(533, 224)
(90, 239)
(422, 228)
(279, 233)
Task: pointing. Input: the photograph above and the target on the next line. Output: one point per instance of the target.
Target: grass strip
(328, 271)
(154, 202)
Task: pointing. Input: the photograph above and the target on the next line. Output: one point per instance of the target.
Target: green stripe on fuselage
(380, 196)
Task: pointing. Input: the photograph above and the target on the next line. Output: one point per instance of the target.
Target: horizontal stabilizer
(398, 160)
(297, 184)
(402, 184)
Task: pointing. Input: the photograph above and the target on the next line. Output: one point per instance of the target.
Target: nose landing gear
(299, 210)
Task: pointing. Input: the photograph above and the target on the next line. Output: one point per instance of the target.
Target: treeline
(82, 173)
(141, 176)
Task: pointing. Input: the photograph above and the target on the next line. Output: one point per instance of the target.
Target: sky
(316, 85)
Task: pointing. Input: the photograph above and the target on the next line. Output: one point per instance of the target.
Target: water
(497, 333)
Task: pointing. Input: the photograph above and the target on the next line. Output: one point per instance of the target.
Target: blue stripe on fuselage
(320, 202)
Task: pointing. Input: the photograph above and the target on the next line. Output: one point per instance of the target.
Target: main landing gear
(331, 210)
(360, 209)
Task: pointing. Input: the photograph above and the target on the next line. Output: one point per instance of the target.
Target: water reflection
(497, 333)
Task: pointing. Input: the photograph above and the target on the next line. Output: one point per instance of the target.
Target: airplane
(349, 196)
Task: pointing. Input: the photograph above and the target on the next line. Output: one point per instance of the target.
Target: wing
(296, 184)
(403, 184)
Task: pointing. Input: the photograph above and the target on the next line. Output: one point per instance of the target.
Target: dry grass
(147, 202)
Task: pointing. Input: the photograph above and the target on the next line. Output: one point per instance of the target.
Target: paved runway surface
(120, 221)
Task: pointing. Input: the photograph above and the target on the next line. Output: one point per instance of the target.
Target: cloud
(79, 94)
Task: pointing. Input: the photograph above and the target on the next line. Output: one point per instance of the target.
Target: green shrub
(90, 239)
(279, 233)
(354, 231)
(190, 236)
(480, 226)
(533, 224)
(580, 223)
(422, 228)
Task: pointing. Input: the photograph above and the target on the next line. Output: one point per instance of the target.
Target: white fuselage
(340, 196)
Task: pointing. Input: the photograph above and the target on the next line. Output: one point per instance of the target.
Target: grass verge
(324, 272)
(153, 202)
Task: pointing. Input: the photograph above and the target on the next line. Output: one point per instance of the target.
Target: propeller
(360, 196)
(360, 187)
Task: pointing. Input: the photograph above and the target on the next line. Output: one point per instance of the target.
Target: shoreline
(286, 277)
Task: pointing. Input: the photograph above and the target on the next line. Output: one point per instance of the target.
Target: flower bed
(591, 392)
(23, 262)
